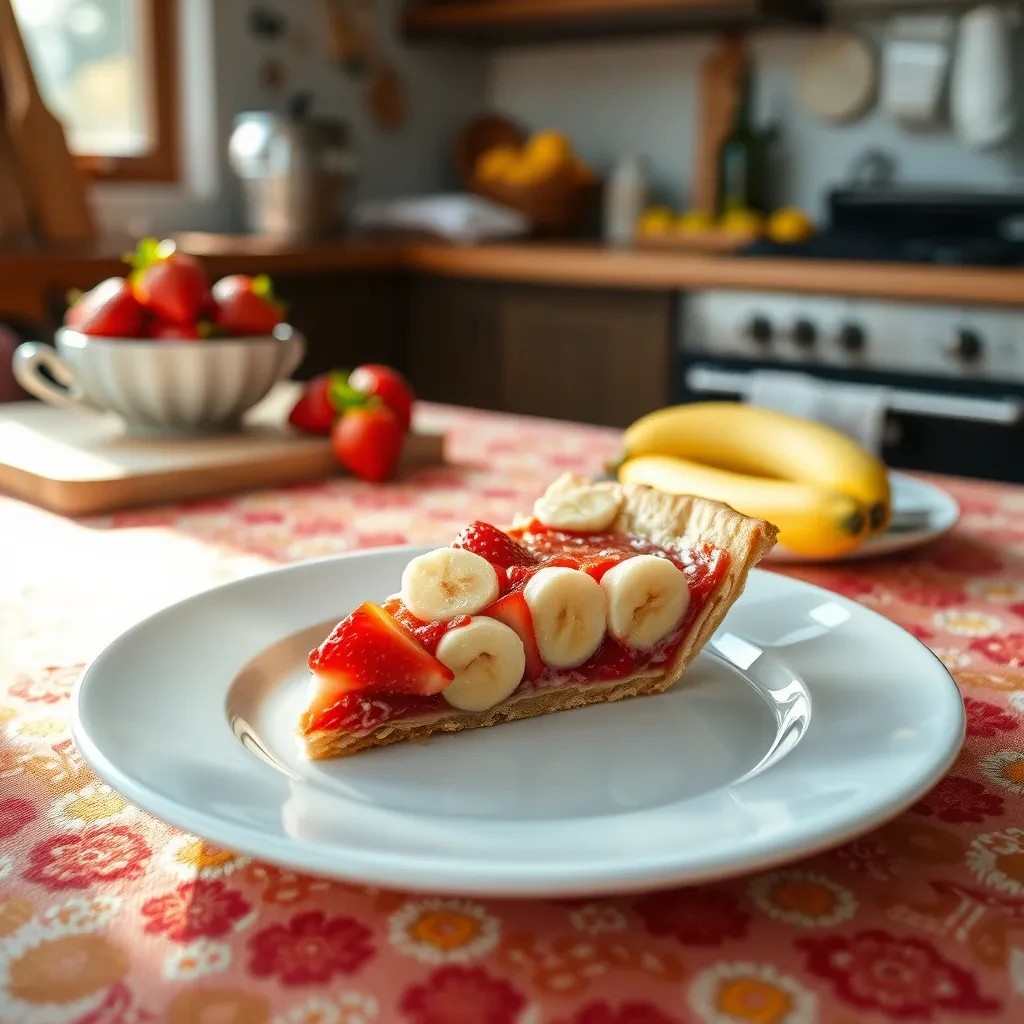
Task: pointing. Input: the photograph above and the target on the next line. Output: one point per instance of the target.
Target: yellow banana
(762, 442)
(813, 521)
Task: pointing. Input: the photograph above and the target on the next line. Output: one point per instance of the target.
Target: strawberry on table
(169, 283)
(491, 543)
(314, 412)
(110, 310)
(388, 385)
(368, 441)
(246, 305)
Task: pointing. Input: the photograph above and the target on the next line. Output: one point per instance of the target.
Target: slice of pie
(607, 591)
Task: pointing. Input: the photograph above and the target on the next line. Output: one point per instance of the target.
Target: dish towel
(858, 410)
(457, 218)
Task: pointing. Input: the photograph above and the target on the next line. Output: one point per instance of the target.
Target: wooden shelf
(504, 21)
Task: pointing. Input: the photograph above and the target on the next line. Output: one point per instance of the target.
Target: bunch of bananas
(824, 492)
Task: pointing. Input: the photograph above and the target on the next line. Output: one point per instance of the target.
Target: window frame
(161, 163)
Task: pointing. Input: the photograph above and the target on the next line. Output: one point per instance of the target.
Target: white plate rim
(394, 872)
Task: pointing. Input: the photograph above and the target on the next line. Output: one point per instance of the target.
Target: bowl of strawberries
(163, 349)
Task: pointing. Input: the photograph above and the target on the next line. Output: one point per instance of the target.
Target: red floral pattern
(194, 910)
(461, 995)
(310, 949)
(264, 944)
(987, 719)
(15, 814)
(903, 977)
(1007, 649)
(75, 860)
(959, 800)
(627, 1013)
(694, 917)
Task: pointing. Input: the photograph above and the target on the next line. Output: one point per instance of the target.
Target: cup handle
(30, 359)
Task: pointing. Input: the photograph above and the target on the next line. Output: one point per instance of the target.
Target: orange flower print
(188, 858)
(14, 912)
(440, 931)
(89, 805)
(1000, 679)
(196, 959)
(997, 860)
(915, 841)
(217, 1006)
(52, 978)
(748, 993)
(348, 1007)
(802, 898)
(1005, 768)
(597, 919)
(967, 622)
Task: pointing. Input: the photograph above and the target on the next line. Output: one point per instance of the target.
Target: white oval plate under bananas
(921, 512)
(807, 720)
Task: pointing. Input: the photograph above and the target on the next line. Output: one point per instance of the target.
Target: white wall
(639, 97)
(220, 69)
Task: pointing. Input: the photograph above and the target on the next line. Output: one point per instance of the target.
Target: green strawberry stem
(264, 288)
(344, 397)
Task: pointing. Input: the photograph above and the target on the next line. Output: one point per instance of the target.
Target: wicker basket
(560, 206)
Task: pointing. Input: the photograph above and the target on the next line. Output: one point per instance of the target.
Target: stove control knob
(852, 338)
(760, 330)
(805, 334)
(966, 345)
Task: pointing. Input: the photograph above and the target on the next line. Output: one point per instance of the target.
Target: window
(108, 70)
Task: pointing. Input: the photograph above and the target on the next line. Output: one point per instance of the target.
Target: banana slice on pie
(606, 591)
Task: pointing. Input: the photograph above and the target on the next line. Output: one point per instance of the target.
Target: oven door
(964, 428)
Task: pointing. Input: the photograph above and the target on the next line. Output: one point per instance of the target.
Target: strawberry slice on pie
(606, 591)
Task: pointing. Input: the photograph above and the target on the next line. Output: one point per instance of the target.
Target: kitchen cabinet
(503, 21)
(594, 356)
(347, 319)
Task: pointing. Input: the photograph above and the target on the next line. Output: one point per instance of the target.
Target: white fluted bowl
(160, 386)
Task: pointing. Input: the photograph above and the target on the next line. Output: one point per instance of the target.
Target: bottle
(743, 158)
(625, 199)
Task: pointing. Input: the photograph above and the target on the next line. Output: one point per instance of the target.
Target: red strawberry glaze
(593, 553)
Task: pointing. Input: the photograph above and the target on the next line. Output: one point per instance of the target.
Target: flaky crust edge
(664, 519)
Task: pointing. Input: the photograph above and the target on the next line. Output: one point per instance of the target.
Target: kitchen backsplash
(639, 97)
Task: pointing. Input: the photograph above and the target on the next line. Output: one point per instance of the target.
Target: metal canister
(294, 169)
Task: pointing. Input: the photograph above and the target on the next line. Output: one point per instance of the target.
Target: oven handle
(999, 411)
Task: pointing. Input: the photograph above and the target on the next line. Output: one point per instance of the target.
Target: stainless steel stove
(954, 375)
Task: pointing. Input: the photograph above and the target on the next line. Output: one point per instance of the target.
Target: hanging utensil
(51, 178)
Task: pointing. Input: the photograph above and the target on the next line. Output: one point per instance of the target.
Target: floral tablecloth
(108, 916)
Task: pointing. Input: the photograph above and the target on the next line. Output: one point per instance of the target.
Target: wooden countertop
(591, 265)
(576, 264)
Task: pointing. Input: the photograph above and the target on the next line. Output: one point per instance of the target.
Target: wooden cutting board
(81, 463)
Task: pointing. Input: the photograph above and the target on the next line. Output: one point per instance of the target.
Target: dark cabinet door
(584, 354)
(348, 318)
(453, 345)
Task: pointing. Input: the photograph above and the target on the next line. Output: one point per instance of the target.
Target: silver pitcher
(294, 169)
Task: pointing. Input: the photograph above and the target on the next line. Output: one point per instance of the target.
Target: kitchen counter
(24, 273)
(139, 921)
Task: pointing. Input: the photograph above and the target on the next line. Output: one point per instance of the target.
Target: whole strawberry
(110, 310)
(491, 543)
(168, 283)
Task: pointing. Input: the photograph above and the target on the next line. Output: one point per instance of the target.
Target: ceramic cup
(159, 386)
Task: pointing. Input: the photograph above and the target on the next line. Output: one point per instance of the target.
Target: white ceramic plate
(807, 720)
(921, 512)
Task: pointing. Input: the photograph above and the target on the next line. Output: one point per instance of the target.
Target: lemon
(741, 222)
(657, 220)
(493, 164)
(523, 171)
(790, 225)
(694, 221)
(548, 149)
